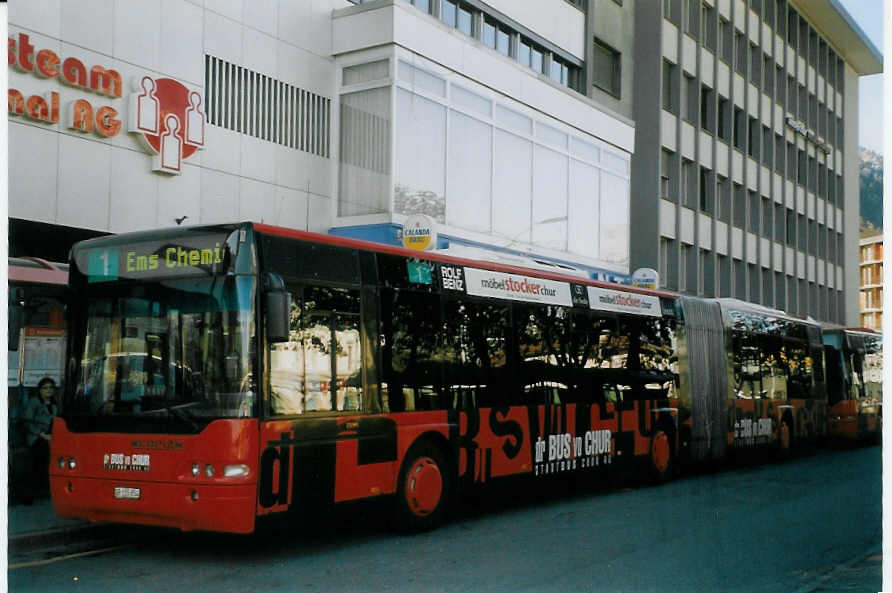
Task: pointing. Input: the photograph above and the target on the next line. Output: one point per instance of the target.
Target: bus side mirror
(278, 310)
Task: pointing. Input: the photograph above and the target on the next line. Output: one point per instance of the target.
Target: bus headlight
(72, 464)
(239, 470)
(61, 462)
(195, 469)
(209, 470)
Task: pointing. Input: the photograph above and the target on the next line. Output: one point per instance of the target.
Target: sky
(869, 16)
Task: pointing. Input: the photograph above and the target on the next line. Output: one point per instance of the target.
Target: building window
(767, 211)
(756, 65)
(724, 206)
(707, 109)
(791, 162)
(689, 98)
(688, 188)
(754, 208)
(791, 229)
(754, 139)
(707, 197)
(740, 52)
(740, 280)
(683, 268)
(666, 173)
(448, 12)
(739, 128)
(607, 69)
(704, 270)
(503, 42)
(802, 167)
(724, 119)
(767, 147)
(489, 33)
(779, 223)
(707, 20)
(780, 87)
(803, 103)
(669, 11)
(723, 282)
(792, 24)
(767, 74)
(739, 219)
(726, 40)
(663, 264)
(423, 5)
(791, 93)
(690, 14)
(465, 22)
(802, 231)
(779, 153)
(670, 91)
(770, 12)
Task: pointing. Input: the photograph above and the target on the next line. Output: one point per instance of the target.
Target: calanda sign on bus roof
(165, 115)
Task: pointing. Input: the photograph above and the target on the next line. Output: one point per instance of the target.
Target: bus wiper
(179, 412)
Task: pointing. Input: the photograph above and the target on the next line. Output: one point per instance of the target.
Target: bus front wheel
(423, 490)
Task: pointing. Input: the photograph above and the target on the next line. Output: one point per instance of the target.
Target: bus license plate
(126, 493)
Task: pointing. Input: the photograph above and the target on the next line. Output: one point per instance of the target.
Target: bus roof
(738, 305)
(449, 259)
(37, 271)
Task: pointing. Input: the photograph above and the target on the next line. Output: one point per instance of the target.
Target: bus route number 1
(102, 265)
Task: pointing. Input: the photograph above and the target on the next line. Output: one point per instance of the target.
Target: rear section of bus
(854, 360)
(158, 423)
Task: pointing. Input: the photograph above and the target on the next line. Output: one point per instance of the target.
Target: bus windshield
(177, 349)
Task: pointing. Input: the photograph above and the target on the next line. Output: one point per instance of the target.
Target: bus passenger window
(319, 369)
(546, 359)
(410, 348)
(475, 352)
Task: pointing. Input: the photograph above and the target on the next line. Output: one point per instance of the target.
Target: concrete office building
(500, 121)
(870, 261)
(745, 172)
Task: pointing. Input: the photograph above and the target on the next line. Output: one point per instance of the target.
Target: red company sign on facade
(166, 116)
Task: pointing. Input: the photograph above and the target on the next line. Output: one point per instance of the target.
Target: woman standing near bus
(38, 417)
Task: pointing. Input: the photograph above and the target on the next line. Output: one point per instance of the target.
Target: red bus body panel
(160, 467)
(853, 420)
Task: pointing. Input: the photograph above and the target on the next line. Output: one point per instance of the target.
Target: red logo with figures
(169, 118)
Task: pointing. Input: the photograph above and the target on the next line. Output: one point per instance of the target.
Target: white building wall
(87, 181)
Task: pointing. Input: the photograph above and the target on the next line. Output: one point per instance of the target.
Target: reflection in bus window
(184, 346)
(319, 367)
(772, 358)
(872, 368)
(412, 374)
(546, 353)
(475, 347)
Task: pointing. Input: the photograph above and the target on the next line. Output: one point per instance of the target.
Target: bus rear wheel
(660, 456)
(423, 489)
(784, 440)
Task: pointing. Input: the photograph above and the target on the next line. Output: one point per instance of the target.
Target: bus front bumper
(207, 507)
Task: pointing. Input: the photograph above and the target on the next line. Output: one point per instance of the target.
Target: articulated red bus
(854, 359)
(226, 373)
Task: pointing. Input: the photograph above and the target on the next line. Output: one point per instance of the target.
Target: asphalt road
(811, 524)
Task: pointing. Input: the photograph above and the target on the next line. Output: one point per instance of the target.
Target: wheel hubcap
(424, 486)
